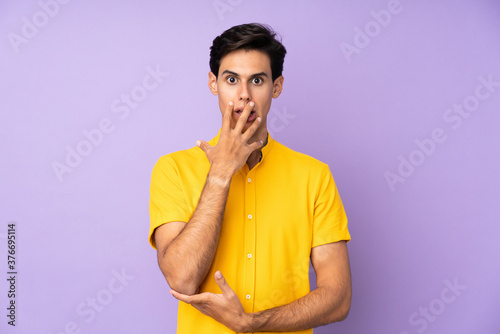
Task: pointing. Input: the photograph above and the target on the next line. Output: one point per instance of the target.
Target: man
(235, 220)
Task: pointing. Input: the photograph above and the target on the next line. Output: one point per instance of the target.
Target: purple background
(357, 113)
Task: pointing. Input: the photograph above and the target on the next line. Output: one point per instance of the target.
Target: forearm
(319, 307)
(188, 258)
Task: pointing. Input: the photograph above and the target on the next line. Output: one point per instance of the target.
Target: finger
(203, 145)
(244, 116)
(252, 129)
(221, 282)
(256, 145)
(185, 298)
(226, 117)
(191, 299)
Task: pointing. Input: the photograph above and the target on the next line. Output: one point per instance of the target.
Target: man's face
(246, 76)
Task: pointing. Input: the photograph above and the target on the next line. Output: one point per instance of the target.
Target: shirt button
(249, 180)
(249, 256)
(248, 297)
(249, 216)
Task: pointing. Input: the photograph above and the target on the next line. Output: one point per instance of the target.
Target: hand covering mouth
(251, 117)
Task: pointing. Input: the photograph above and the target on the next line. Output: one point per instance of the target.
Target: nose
(245, 93)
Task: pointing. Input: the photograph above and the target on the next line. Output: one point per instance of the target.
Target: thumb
(203, 145)
(221, 282)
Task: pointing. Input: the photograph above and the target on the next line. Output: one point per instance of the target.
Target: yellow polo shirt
(275, 213)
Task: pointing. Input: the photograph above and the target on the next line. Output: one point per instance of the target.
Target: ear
(212, 83)
(278, 86)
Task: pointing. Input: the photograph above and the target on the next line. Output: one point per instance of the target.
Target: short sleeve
(330, 220)
(167, 201)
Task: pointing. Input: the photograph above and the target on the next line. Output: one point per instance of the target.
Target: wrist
(247, 323)
(222, 182)
(219, 176)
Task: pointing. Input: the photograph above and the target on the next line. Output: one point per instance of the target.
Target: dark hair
(253, 36)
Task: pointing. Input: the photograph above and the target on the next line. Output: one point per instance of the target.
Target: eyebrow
(237, 75)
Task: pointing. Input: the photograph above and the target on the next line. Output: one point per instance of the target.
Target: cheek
(226, 96)
(263, 97)
(263, 93)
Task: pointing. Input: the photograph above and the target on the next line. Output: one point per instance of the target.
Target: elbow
(177, 280)
(340, 311)
(182, 285)
(344, 311)
(344, 307)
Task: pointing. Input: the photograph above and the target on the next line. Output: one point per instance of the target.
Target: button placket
(250, 230)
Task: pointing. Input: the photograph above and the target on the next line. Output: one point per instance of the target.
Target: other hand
(226, 308)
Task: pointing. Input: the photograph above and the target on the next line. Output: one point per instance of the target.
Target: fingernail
(230, 103)
(259, 119)
(251, 103)
(198, 143)
(171, 292)
(218, 275)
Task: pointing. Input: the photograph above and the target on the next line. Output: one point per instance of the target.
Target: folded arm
(329, 302)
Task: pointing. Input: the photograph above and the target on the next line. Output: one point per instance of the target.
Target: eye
(257, 81)
(231, 80)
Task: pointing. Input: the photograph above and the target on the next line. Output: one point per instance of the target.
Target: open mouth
(251, 117)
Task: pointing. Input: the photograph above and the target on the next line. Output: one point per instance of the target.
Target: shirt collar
(265, 150)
